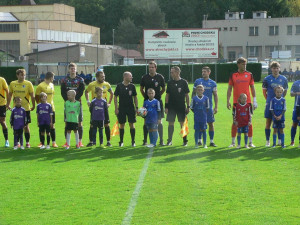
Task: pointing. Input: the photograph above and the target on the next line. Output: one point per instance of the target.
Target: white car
(264, 66)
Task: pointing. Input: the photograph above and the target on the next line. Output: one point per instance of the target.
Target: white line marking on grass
(137, 190)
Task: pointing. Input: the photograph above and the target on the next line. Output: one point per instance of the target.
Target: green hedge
(114, 74)
(9, 73)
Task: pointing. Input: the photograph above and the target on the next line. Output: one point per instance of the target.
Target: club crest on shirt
(130, 92)
(246, 109)
(21, 112)
(156, 84)
(102, 103)
(179, 90)
(23, 86)
(246, 76)
(47, 107)
(104, 87)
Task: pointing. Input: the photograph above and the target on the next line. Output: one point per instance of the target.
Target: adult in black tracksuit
(177, 102)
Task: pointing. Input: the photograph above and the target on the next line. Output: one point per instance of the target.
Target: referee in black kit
(177, 102)
(157, 82)
(127, 95)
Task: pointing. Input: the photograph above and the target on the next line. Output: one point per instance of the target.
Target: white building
(256, 37)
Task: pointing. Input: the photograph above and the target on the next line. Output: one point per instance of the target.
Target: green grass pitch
(182, 185)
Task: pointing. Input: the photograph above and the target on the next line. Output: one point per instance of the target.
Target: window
(11, 46)
(289, 30)
(258, 14)
(230, 15)
(236, 29)
(9, 28)
(273, 30)
(231, 56)
(253, 31)
(297, 51)
(288, 48)
(253, 51)
(230, 28)
(225, 28)
(298, 29)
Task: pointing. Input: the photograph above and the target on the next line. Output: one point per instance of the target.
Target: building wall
(57, 17)
(22, 36)
(41, 12)
(235, 33)
(70, 54)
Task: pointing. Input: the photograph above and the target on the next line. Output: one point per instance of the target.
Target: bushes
(9, 73)
(114, 74)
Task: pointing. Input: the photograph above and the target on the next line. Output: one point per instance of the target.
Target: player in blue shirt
(210, 89)
(278, 108)
(44, 119)
(200, 107)
(295, 92)
(270, 82)
(153, 108)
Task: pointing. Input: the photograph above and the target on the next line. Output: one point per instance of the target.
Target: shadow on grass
(94, 154)
(257, 153)
(167, 153)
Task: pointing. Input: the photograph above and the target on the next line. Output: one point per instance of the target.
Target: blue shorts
(210, 116)
(278, 124)
(244, 129)
(268, 113)
(200, 126)
(152, 126)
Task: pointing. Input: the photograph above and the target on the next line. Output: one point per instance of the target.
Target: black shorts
(28, 117)
(71, 126)
(44, 128)
(3, 111)
(162, 111)
(129, 112)
(53, 118)
(172, 112)
(97, 123)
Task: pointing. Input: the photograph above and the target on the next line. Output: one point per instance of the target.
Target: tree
(127, 32)
(294, 5)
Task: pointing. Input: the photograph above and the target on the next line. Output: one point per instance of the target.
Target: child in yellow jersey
(3, 92)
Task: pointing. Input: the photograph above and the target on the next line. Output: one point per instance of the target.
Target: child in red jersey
(242, 118)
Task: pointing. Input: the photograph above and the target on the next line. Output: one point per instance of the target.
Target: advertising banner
(181, 44)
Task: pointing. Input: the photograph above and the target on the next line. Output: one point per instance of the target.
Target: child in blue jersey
(99, 112)
(18, 121)
(200, 106)
(44, 119)
(297, 117)
(278, 108)
(210, 90)
(295, 92)
(269, 84)
(153, 107)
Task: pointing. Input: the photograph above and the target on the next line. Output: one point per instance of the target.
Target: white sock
(77, 137)
(68, 138)
(250, 139)
(233, 140)
(211, 141)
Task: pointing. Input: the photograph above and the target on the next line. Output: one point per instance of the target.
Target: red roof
(129, 53)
